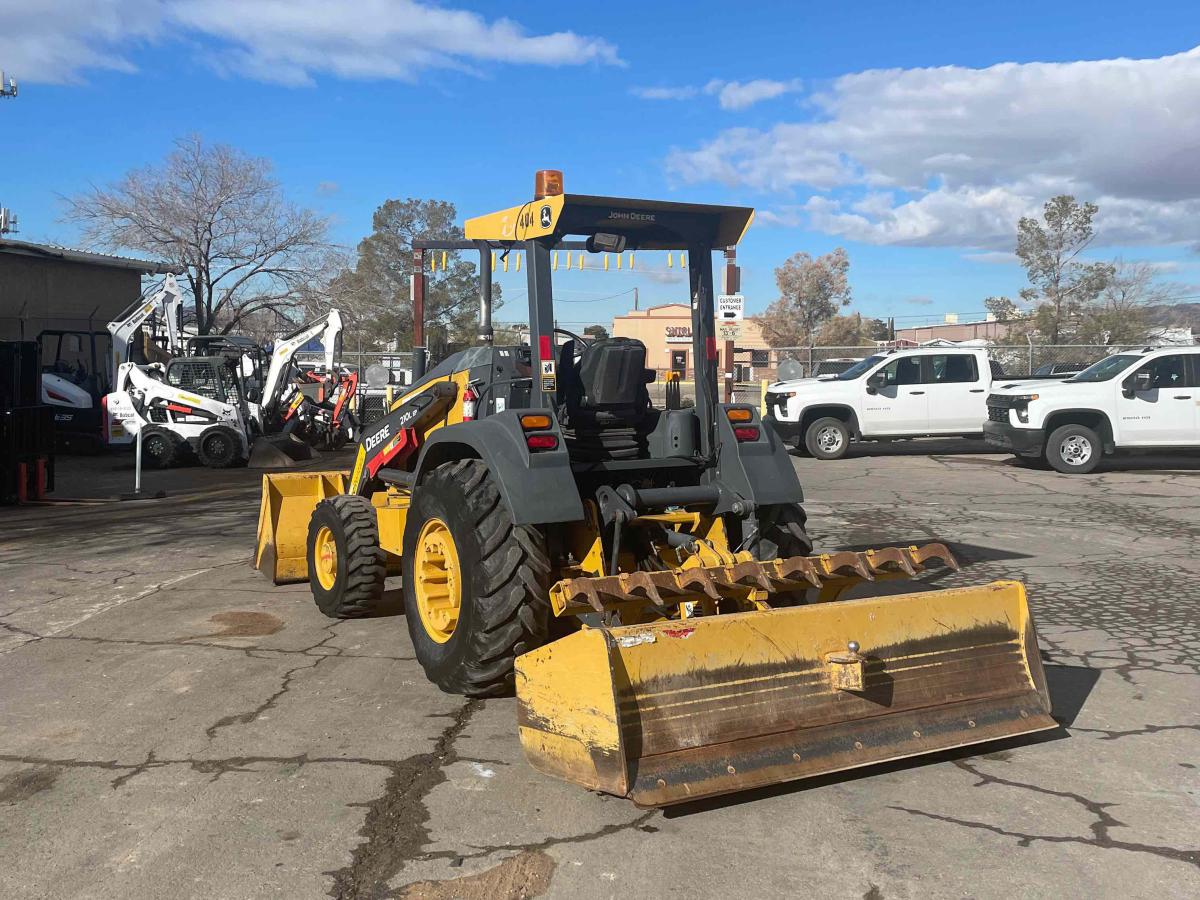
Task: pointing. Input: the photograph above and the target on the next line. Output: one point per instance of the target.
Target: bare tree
(1119, 315)
(249, 253)
(1060, 283)
(811, 292)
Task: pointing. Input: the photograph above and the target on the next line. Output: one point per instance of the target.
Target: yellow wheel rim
(437, 580)
(325, 558)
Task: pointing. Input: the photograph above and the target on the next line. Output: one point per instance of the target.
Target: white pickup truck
(935, 392)
(1148, 399)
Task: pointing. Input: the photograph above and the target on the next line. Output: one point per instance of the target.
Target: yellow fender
(288, 501)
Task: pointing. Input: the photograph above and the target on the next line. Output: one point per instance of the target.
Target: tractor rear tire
(346, 565)
(498, 577)
(160, 448)
(219, 447)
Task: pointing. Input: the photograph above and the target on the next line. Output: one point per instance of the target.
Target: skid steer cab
(192, 408)
(640, 577)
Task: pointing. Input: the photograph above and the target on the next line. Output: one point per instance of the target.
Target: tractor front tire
(219, 447)
(346, 565)
(160, 447)
(475, 584)
(781, 533)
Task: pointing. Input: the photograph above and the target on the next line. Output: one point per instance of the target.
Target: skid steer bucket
(684, 709)
(288, 501)
(279, 451)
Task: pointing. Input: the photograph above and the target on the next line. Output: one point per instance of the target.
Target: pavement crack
(396, 825)
(1102, 822)
(245, 718)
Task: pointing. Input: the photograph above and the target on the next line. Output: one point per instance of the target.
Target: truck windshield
(859, 367)
(1106, 369)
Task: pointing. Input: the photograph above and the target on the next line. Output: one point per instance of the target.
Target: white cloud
(664, 93)
(919, 301)
(53, 41)
(284, 41)
(740, 95)
(994, 257)
(953, 156)
(732, 95)
(328, 187)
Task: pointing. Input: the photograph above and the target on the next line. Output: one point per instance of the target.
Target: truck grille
(998, 413)
(776, 405)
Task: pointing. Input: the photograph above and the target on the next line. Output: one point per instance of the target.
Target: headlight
(1023, 414)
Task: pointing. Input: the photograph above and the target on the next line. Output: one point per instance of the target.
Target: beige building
(991, 330)
(667, 333)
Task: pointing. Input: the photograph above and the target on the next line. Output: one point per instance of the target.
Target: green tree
(1002, 308)
(376, 290)
(1061, 284)
(599, 332)
(811, 291)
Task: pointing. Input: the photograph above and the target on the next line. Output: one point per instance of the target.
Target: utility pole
(733, 283)
(417, 286)
(8, 86)
(635, 299)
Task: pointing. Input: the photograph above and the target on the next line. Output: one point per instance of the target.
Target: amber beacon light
(547, 183)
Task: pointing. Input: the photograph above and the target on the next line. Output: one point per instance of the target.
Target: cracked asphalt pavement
(173, 725)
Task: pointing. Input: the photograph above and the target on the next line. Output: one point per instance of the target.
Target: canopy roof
(646, 224)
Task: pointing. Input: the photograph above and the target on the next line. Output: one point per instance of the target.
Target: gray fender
(760, 471)
(538, 488)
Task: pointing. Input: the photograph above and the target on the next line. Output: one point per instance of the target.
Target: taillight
(739, 414)
(535, 422)
(746, 433)
(104, 425)
(541, 441)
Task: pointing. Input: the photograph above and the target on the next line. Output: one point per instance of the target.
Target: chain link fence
(755, 369)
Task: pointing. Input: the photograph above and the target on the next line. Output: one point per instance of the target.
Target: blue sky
(912, 134)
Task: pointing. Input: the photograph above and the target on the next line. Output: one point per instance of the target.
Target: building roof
(651, 311)
(67, 254)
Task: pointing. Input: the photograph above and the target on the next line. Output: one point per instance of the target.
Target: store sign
(679, 334)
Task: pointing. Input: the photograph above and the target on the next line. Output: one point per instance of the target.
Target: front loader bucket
(279, 451)
(288, 501)
(684, 709)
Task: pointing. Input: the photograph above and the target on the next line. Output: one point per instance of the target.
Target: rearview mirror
(603, 242)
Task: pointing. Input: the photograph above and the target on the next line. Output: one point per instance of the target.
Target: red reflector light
(746, 434)
(541, 441)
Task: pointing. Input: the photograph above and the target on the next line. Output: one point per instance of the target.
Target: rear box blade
(681, 710)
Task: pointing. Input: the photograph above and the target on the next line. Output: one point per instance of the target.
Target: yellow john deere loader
(641, 577)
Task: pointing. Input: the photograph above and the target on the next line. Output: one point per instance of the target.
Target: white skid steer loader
(193, 406)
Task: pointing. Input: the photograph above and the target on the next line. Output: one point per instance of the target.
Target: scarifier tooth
(802, 565)
(640, 584)
(835, 562)
(747, 573)
(879, 558)
(935, 551)
(699, 578)
(585, 588)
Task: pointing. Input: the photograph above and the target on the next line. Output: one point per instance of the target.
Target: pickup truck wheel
(827, 438)
(1074, 449)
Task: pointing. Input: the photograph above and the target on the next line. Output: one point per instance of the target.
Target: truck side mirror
(875, 382)
(1139, 381)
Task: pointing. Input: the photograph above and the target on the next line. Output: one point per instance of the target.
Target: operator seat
(603, 403)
